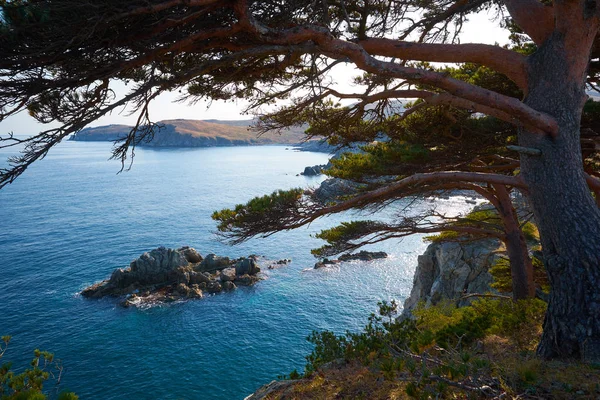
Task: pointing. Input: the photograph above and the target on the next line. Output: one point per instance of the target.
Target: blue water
(70, 220)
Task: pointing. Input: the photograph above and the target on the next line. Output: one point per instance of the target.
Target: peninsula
(195, 133)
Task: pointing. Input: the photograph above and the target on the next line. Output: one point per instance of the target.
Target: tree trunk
(521, 267)
(565, 211)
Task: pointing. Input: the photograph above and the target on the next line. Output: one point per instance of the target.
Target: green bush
(437, 351)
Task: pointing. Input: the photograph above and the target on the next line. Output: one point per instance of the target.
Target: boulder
(227, 275)
(246, 280)
(190, 254)
(246, 266)
(313, 171)
(214, 287)
(182, 290)
(228, 285)
(213, 263)
(198, 277)
(195, 292)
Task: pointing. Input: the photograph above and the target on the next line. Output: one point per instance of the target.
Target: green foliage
(445, 236)
(328, 347)
(530, 231)
(260, 214)
(364, 346)
(378, 159)
(451, 325)
(488, 216)
(339, 238)
(501, 273)
(435, 352)
(28, 385)
(487, 78)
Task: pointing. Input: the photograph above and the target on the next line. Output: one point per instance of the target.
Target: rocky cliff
(448, 270)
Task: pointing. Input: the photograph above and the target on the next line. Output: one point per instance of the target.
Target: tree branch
(336, 48)
(533, 17)
(395, 189)
(508, 62)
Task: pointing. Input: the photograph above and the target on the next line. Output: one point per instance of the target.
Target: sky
(479, 30)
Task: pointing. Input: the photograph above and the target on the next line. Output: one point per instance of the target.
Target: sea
(71, 219)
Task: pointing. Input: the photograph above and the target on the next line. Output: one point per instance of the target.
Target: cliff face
(194, 133)
(448, 270)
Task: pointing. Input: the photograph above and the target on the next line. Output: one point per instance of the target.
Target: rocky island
(167, 275)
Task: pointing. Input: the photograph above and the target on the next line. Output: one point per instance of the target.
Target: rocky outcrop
(247, 266)
(335, 187)
(360, 256)
(164, 275)
(363, 256)
(315, 170)
(325, 262)
(449, 270)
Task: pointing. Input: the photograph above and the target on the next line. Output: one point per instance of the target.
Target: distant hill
(195, 133)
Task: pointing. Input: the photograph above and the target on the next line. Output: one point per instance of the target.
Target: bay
(70, 220)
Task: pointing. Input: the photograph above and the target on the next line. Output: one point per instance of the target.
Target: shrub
(437, 354)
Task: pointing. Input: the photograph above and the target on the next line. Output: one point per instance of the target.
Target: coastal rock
(166, 275)
(214, 287)
(315, 170)
(448, 270)
(195, 292)
(154, 266)
(363, 256)
(246, 266)
(325, 262)
(121, 278)
(180, 275)
(332, 188)
(227, 275)
(199, 277)
(212, 263)
(280, 263)
(190, 254)
(246, 280)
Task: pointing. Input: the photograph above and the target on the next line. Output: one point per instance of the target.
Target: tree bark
(521, 267)
(565, 211)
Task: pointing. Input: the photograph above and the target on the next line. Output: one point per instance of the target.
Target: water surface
(71, 220)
